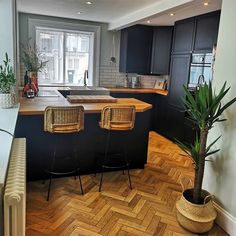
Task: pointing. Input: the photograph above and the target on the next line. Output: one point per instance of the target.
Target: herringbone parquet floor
(148, 209)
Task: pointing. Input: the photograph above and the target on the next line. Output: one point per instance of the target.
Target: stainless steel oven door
(196, 72)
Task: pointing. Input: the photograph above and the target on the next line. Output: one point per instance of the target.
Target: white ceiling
(193, 8)
(120, 13)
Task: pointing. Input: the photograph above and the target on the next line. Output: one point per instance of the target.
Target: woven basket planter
(197, 218)
(7, 100)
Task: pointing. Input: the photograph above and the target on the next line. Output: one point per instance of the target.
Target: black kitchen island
(90, 141)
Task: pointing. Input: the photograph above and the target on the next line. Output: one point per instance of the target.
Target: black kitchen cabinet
(161, 122)
(161, 49)
(183, 36)
(145, 97)
(135, 49)
(175, 121)
(190, 130)
(206, 31)
(145, 50)
(197, 34)
(180, 65)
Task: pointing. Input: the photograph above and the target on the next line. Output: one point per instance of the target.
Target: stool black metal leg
(81, 187)
(51, 170)
(49, 187)
(105, 158)
(75, 153)
(100, 185)
(130, 185)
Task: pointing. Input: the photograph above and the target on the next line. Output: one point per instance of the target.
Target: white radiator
(15, 191)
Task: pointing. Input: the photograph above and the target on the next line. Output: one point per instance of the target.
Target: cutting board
(90, 98)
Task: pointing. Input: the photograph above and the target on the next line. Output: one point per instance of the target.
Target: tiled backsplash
(111, 77)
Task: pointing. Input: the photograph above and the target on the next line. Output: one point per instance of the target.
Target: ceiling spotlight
(148, 21)
(206, 3)
(79, 12)
(172, 14)
(88, 3)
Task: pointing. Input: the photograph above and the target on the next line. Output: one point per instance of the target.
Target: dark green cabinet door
(206, 31)
(179, 77)
(135, 49)
(183, 36)
(161, 49)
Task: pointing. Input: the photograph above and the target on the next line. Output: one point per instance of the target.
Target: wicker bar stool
(63, 120)
(116, 118)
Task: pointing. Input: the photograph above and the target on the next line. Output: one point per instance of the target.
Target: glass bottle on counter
(26, 78)
(30, 93)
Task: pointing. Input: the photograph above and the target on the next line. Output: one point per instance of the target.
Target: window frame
(33, 23)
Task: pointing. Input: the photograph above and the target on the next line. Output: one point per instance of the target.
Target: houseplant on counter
(195, 210)
(32, 60)
(7, 83)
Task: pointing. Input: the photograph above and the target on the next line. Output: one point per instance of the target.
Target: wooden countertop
(138, 90)
(37, 105)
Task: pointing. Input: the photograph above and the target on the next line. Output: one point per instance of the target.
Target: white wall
(7, 29)
(220, 175)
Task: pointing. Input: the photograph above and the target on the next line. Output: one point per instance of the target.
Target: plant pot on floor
(197, 218)
(7, 100)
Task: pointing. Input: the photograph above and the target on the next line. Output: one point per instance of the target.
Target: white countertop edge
(8, 118)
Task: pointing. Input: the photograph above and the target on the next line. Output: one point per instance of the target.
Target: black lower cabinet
(145, 97)
(160, 112)
(175, 120)
(168, 120)
(190, 130)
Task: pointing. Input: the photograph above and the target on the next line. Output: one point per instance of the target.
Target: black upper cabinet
(183, 36)
(161, 49)
(179, 77)
(197, 34)
(145, 49)
(135, 49)
(206, 31)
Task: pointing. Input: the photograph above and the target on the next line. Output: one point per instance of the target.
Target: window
(69, 54)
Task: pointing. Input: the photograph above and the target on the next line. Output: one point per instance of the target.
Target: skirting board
(225, 220)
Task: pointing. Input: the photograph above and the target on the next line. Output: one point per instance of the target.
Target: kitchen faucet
(85, 77)
(201, 80)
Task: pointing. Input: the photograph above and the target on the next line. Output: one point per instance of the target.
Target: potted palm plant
(32, 60)
(195, 210)
(7, 83)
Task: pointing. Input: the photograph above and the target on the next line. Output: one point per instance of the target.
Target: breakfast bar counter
(37, 105)
(91, 140)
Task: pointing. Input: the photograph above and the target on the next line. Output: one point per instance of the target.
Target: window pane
(76, 57)
(50, 44)
(68, 54)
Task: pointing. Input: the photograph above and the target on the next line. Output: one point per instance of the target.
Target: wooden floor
(148, 209)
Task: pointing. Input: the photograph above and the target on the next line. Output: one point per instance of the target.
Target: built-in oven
(200, 69)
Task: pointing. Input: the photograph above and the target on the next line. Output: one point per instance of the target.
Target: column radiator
(15, 191)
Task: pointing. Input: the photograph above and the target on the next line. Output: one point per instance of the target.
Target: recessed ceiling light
(148, 21)
(206, 3)
(89, 3)
(172, 14)
(79, 12)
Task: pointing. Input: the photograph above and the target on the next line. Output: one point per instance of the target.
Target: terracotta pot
(197, 218)
(7, 100)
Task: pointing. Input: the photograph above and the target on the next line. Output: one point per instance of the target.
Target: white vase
(7, 100)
